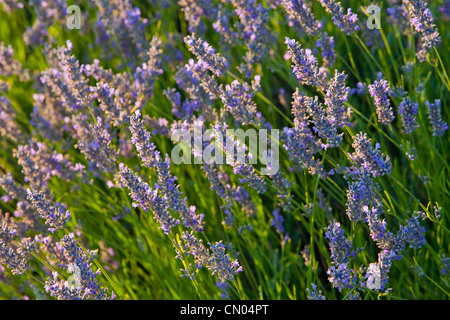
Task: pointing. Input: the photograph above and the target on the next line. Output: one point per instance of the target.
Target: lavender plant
(379, 91)
(93, 122)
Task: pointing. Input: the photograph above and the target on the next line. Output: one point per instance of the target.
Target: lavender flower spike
(422, 21)
(146, 198)
(379, 91)
(347, 22)
(237, 98)
(408, 110)
(166, 182)
(314, 295)
(203, 51)
(306, 66)
(54, 217)
(369, 158)
(175, 200)
(297, 9)
(336, 96)
(79, 263)
(141, 139)
(434, 114)
(340, 246)
(221, 264)
(9, 256)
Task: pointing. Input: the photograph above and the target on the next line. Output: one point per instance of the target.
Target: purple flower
(379, 91)
(340, 245)
(174, 197)
(86, 285)
(340, 276)
(297, 9)
(314, 295)
(95, 143)
(195, 10)
(238, 99)
(222, 26)
(414, 233)
(368, 158)
(204, 52)
(301, 144)
(359, 194)
(336, 95)
(306, 67)
(434, 114)
(141, 140)
(236, 157)
(10, 257)
(54, 216)
(221, 264)
(145, 75)
(445, 268)
(345, 22)
(252, 27)
(422, 21)
(408, 110)
(9, 128)
(277, 221)
(146, 198)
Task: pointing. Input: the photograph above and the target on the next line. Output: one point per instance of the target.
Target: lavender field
(224, 149)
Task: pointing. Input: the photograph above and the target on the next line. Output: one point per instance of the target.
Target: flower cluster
(336, 95)
(238, 99)
(195, 11)
(252, 28)
(422, 21)
(48, 13)
(359, 193)
(120, 27)
(301, 144)
(221, 264)
(368, 158)
(340, 247)
(10, 66)
(434, 114)
(146, 75)
(176, 202)
(306, 67)
(379, 91)
(141, 140)
(86, 285)
(10, 257)
(166, 182)
(408, 110)
(9, 128)
(236, 157)
(204, 52)
(314, 295)
(297, 9)
(214, 259)
(391, 245)
(54, 216)
(95, 143)
(345, 22)
(147, 198)
(25, 211)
